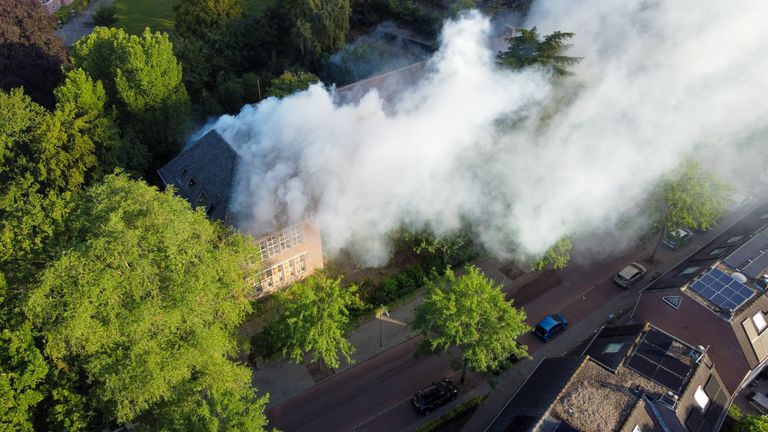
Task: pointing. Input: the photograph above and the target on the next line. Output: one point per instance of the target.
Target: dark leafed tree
(689, 198)
(198, 18)
(471, 313)
(145, 301)
(31, 55)
(320, 27)
(527, 49)
(143, 80)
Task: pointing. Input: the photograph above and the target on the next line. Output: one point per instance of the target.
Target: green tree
(105, 15)
(143, 80)
(43, 160)
(291, 82)
(198, 18)
(689, 198)
(752, 423)
(556, 257)
(471, 313)
(320, 27)
(528, 49)
(22, 366)
(313, 318)
(83, 104)
(145, 300)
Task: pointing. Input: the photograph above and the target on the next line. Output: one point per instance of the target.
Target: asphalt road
(375, 395)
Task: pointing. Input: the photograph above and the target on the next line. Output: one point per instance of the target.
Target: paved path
(80, 26)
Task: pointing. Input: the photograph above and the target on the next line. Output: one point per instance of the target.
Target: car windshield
(540, 330)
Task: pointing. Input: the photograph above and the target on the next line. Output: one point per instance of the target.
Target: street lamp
(382, 310)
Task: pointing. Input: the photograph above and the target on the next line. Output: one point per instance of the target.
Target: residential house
(631, 378)
(205, 174)
(716, 298)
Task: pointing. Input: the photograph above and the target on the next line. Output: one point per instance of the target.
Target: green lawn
(134, 15)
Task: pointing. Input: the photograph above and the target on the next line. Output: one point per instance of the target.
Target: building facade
(204, 175)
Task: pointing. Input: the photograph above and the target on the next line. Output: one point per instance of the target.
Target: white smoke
(658, 80)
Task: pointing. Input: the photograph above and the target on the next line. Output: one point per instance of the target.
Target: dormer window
(759, 320)
(191, 183)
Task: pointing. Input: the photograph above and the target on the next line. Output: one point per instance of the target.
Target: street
(375, 395)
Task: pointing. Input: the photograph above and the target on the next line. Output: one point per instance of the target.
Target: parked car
(630, 274)
(551, 325)
(676, 238)
(737, 199)
(435, 396)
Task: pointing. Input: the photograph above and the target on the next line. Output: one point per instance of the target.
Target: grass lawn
(134, 15)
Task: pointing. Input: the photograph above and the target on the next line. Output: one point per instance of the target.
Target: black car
(434, 396)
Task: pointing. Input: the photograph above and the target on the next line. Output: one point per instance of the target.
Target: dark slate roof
(643, 416)
(204, 171)
(719, 247)
(689, 412)
(752, 257)
(537, 395)
(611, 344)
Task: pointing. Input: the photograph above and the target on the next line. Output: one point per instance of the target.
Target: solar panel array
(659, 358)
(722, 290)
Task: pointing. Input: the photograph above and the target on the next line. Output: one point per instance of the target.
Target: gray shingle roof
(204, 174)
(537, 395)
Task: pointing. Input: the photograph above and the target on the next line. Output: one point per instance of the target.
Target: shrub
(105, 15)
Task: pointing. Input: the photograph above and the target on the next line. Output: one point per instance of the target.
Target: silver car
(629, 275)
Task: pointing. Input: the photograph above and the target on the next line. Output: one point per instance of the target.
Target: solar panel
(722, 290)
(662, 360)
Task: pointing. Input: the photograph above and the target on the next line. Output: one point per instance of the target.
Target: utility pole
(382, 311)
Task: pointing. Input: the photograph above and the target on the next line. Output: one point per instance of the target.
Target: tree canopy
(528, 49)
(143, 80)
(31, 54)
(752, 423)
(314, 316)
(689, 198)
(198, 18)
(291, 82)
(319, 27)
(471, 313)
(144, 301)
(556, 257)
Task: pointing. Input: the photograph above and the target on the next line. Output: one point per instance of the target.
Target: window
(636, 429)
(613, 348)
(688, 271)
(201, 200)
(718, 251)
(191, 183)
(701, 398)
(280, 241)
(759, 320)
(210, 210)
(673, 301)
(734, 239)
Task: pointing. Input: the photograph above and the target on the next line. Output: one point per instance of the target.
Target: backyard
(135, 15)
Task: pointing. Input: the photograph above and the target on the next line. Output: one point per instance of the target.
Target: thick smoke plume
(522, 157)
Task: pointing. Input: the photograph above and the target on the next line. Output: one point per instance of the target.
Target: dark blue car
(551, 325)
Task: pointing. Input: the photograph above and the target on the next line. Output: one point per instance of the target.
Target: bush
(105, 15)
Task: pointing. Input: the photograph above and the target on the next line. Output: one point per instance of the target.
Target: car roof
(548, 322)
(628, 271)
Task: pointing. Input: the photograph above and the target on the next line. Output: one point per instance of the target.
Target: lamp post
(382, 310)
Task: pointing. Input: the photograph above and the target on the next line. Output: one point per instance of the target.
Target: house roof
(698, 325)
(204, 174)
(585, 394)
(537, 395)
(752, 257)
